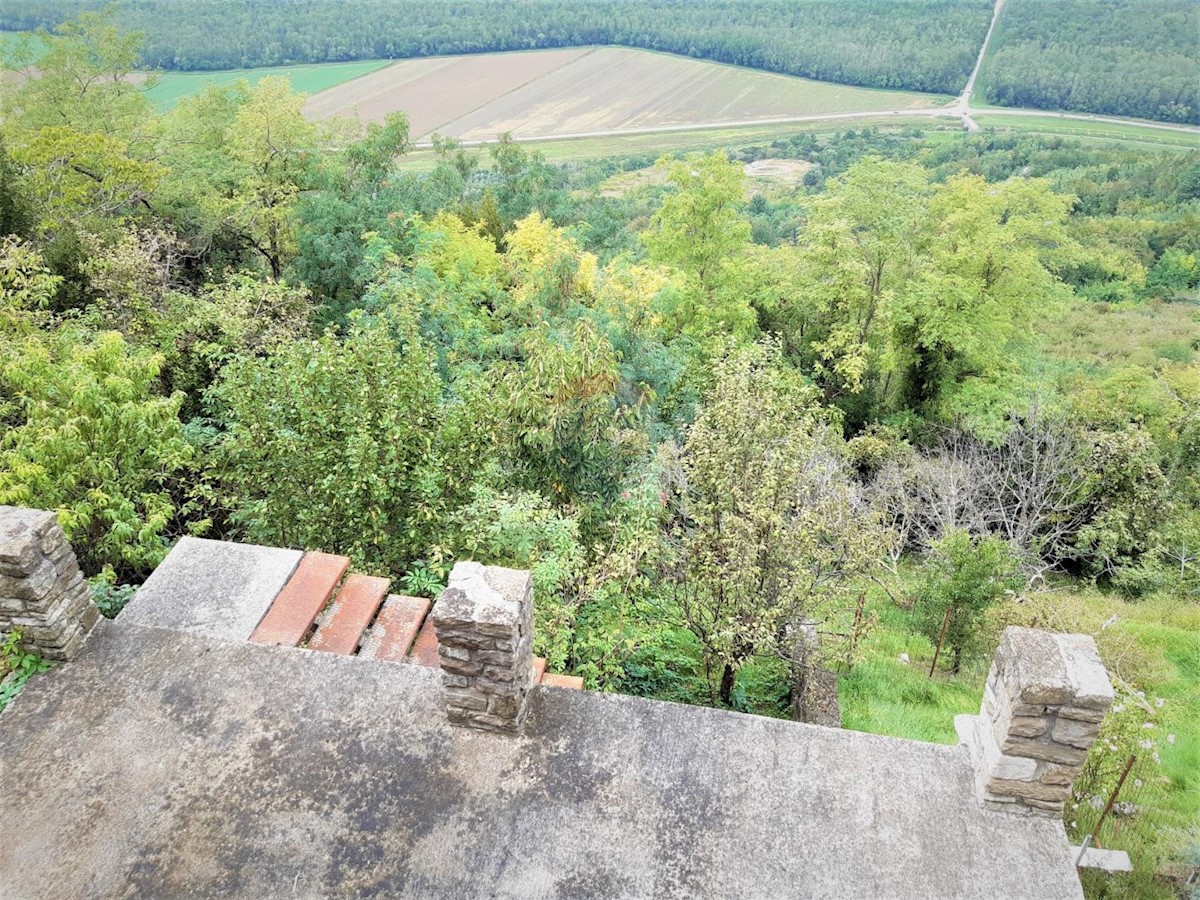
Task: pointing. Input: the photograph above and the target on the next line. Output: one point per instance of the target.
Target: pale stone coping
(218, 588)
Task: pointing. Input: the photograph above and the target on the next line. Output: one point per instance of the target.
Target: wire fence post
(941, 638)
(1112, 798)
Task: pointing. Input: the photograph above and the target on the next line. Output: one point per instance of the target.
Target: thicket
(710, 426)
(925, 45)
(1119, 57)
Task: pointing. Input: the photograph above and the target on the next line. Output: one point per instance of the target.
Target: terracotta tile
(350, 613)
(397, 624)
(539, 669)
(562, 681)
(425, 650)
(296, 606)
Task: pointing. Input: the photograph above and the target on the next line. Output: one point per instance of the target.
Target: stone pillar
(484, 622)
(1045, 697)
(42, 591)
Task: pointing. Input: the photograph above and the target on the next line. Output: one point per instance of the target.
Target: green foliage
(698, 229)
(767, 528)
(965, 576)
(17, 666)
(89, 437)
(110, 598)
(1121, 57)
(1127, 500)
(342, 442)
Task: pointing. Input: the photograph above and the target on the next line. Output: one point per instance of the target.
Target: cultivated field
(554, 93)
(172, 87)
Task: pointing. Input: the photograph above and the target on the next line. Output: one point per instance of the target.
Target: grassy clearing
(174, 86)
(890, 691)
(1151, 646)
(1091, 131)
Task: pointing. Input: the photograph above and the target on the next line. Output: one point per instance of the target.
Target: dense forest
(1122, 57)
(924, 45)
(1117, 57)
(947, 377)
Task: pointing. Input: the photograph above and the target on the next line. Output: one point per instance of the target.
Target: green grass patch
(698, 140)
(1089, 131)
(171, 87)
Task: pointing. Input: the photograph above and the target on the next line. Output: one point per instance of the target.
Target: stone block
(1054, 808)
(1080, 714)
(42, 591)
(1050, 773)
(484, 630)
(1045, 750)
(20, 533)
(467, 667)
(32, 587)
(1091, 687)
(1076, 733)
(1028, 790)
(997, 765)
(1033, 667)
(466, 699)
(505, 706)
(1028, 726)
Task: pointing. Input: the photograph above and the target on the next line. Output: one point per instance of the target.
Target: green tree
(701, 229)
(768, 529)
(965, 577)
(87, 435)
(347, 444)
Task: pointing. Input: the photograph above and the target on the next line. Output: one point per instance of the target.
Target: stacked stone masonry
(1045, 698)
(484, 622)
(42, 592)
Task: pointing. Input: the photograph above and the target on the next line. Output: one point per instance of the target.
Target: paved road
(962, 105)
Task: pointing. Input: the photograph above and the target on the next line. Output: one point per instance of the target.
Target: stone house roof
(191, 749)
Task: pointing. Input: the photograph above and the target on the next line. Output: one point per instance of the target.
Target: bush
(965, 577)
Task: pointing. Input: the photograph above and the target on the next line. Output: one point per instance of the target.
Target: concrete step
(425, 650)
(295, 608)
(562, 681)
(395, 627)
(349, 614)
(539, 669)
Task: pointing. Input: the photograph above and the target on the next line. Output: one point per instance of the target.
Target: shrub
(965, 577)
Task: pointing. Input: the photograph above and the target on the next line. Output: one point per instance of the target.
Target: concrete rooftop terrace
(174, 757)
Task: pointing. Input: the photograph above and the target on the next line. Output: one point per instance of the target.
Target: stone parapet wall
(1045, 698)
(484, 623)
(42, 591)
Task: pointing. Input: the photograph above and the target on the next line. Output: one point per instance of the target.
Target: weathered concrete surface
(217, 588)
(166, 764)
(1105, 860)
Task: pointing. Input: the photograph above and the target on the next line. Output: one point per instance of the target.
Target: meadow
(171, 87)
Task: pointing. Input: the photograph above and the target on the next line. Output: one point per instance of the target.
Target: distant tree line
(1120, 57)
(925, 45)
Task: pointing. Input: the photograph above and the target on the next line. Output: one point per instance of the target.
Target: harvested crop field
(551, 93)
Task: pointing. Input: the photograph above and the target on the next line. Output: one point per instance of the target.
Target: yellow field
(558, 93)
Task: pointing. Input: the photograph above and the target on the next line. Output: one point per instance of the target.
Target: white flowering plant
(1131, 729)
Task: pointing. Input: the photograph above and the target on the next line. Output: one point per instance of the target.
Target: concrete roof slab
(167, 763)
